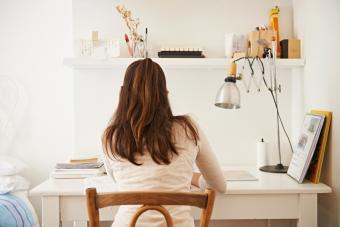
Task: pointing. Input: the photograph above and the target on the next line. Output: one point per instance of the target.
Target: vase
(138, 49)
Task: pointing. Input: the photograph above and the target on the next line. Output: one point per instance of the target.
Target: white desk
(273, 196)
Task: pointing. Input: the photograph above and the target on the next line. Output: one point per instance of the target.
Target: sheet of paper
(238, 175)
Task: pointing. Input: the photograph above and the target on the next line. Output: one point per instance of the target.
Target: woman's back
(175, 176)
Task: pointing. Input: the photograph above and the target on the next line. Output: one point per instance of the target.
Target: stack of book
(80, 168)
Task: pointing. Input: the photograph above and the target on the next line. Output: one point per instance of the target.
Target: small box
(253, 45)
(257, 37)
(95, 36)
(290, 48)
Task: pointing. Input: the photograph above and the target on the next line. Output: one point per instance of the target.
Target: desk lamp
(228, 97)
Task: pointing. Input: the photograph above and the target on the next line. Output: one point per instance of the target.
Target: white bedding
(13, 183)
(10, 165)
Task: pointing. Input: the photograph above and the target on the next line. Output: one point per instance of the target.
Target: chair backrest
(150, 201)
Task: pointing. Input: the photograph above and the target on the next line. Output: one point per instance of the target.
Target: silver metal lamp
(228, 96)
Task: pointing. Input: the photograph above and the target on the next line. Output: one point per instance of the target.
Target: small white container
(261, 154)
(234, 43)
(229, 45)
(112, 48)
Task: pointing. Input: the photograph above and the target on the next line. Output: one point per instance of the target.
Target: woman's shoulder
(182, 121)
(186, 126)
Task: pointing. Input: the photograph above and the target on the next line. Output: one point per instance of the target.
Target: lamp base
(279, 168)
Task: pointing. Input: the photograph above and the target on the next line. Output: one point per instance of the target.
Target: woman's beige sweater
(173, 177)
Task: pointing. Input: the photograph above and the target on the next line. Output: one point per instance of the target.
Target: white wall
(35, 36)
(179, 23)
(317, 23)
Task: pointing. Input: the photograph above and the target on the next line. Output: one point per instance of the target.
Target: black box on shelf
(180, 54)
(290, 48)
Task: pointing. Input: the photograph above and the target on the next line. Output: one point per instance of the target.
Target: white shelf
(169, 63)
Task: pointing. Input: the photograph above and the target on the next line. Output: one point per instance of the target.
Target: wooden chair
(149, 201)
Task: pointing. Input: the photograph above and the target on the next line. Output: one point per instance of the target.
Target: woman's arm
(206, 161)
(195, 179)
(107, 165)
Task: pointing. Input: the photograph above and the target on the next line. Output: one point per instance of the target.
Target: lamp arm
(250, 65)
(271, 89)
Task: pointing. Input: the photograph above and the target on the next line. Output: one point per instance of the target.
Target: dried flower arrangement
(131, 23)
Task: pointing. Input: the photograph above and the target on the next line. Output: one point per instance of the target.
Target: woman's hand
(195, 179)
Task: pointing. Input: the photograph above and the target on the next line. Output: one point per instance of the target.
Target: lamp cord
(270, 91)
(276, 106)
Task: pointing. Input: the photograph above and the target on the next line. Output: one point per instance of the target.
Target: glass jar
(138, 49)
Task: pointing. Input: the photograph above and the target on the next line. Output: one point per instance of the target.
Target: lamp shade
(228, 96)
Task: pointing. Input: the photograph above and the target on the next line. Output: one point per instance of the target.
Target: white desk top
(267, 183)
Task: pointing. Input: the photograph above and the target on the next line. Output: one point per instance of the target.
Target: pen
(128, 44)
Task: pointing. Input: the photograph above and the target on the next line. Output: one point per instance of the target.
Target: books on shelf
(78, 169)
(305, 148)
(315, 167)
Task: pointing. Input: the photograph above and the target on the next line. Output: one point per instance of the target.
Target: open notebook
(238, 175)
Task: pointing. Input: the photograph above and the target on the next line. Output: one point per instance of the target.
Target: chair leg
(206, 213)
(92, 209)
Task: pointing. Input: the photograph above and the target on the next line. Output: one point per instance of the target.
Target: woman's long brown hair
(143, 121)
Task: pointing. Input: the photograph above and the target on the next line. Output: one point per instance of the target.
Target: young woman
(146, 147)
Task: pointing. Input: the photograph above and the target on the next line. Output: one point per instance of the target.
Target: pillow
(13, 183)
(10, 166)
